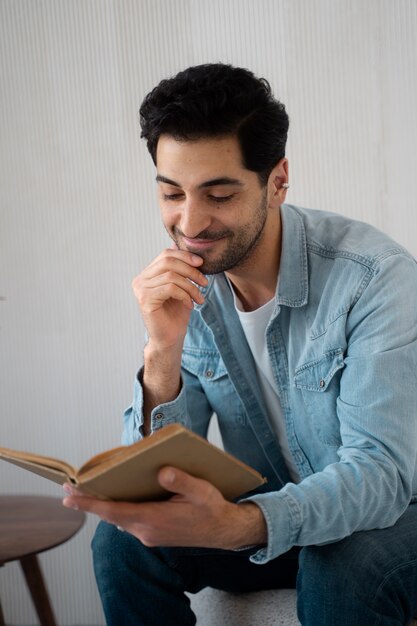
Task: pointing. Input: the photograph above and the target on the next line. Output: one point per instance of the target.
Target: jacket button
(159, 416)
(209, 373)
(322, 383)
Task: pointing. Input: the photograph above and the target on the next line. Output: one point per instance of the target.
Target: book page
(98, 459)
(39, 460)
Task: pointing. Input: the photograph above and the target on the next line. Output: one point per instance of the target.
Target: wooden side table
(30, 525)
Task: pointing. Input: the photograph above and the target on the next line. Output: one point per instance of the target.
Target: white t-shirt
(254, 325)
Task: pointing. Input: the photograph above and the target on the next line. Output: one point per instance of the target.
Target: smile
(200, 244)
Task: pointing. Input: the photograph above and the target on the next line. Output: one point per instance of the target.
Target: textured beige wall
(78, 217)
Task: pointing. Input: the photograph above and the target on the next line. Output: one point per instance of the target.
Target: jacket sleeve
(190, 408)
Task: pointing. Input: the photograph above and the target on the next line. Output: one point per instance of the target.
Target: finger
(152, 299)
(188, 257)
(170, 279)
(191, 259)
(71, 490)
(194, 489)
(113, 512)
(180, 273)
(77, 502)
(179, 265)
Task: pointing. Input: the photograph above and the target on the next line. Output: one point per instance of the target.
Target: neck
(255, 281)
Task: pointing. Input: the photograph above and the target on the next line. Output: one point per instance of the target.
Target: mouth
(200, 244)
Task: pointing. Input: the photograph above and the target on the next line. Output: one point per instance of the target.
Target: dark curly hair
(216, 100)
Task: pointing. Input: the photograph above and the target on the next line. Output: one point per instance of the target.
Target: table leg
(2, 622)
(37, 588)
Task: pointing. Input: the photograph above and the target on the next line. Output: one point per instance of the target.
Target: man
(298, 328)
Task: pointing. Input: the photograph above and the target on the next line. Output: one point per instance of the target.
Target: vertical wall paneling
(78, 214)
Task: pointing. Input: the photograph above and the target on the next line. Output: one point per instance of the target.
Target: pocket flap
(204, 364)
(316, 375)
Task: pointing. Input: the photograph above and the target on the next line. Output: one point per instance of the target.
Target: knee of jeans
(107, 547)
(114, 549)
(314, 561)
(102, 536)
(340, 566)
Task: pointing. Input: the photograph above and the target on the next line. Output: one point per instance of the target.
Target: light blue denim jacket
(343, 346)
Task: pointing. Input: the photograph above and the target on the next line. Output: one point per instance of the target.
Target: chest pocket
(211, 372)
(319, 383)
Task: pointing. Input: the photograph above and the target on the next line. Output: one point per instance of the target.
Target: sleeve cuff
(282, 516)
(163, 414)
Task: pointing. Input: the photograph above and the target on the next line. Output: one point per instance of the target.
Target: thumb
(179, 482)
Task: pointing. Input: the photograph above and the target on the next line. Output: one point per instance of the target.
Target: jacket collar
(293, 274)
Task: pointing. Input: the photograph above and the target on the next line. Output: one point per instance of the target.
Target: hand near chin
(196, 515)
(166, 292)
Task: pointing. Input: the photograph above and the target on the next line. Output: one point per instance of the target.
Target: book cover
(130, 472)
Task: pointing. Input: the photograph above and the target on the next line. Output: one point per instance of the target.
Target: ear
(278, 184)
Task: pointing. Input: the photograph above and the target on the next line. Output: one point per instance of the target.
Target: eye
(172, 196)
(220, 199)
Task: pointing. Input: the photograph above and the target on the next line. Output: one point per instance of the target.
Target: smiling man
(298, 328)
(224, 219)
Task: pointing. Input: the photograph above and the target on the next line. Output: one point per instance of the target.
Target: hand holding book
(195, 515)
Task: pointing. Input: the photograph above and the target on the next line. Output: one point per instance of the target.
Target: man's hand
(166, 291)
(196, 515)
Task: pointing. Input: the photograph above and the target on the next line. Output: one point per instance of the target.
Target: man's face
(211, 205)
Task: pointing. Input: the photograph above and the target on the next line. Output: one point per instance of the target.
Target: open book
(130, 472)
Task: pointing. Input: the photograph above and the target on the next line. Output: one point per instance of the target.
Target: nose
(194, 218)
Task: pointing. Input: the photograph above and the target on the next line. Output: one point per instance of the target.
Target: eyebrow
(214, 182)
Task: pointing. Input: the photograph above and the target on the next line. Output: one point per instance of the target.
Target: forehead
(191, 162)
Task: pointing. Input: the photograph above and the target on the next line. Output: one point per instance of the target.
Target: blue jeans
(369, 578)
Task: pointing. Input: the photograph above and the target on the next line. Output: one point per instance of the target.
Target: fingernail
(69, 504)
(67, 489)
(169, 476)
(196, 258)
